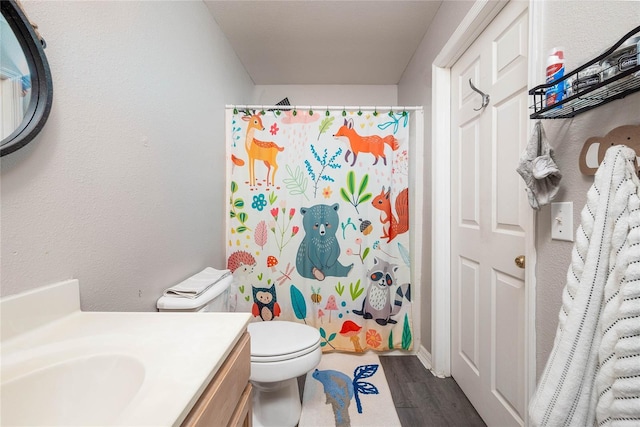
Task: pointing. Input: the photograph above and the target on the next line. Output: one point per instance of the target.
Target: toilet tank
(214, 299)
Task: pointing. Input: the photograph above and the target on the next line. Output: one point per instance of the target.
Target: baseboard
(424, 357)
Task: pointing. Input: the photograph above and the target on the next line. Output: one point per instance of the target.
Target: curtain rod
(325, 107)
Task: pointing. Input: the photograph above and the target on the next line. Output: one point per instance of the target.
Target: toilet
(281, 351)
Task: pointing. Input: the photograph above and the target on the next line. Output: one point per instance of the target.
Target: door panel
(489, 206)
(511, 47)
(467, 95)
(507, 188)
(469, 176)
(469, 325)
(508, 327)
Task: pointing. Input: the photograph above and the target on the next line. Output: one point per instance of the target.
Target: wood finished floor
(422, 399)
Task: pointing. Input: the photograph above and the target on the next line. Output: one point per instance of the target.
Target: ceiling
(324, 42)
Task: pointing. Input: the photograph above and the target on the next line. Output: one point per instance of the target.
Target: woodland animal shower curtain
(318, 223)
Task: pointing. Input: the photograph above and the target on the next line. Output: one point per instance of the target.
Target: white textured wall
(367, 95)
(415, 89)
(122, 189)
(585, 29)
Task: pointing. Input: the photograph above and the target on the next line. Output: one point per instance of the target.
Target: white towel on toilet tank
(197, 284)
(592, 376)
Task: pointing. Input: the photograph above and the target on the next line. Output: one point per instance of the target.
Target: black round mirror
(26, 88)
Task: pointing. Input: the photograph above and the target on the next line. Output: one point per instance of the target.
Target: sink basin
(60, 366)
(91, 390)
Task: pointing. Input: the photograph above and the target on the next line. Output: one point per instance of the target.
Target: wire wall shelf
(614, 84)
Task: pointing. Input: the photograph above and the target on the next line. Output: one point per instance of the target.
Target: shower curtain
(318, 222)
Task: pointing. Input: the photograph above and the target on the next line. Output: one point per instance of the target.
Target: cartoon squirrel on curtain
(397, 224)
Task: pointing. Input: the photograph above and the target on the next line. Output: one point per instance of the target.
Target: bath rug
(347, 390)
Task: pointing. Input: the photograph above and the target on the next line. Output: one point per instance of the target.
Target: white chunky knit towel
(592, 377)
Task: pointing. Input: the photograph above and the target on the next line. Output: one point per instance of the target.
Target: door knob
(520, 261)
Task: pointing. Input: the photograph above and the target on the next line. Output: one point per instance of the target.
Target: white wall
(585, 29)
(365, 95)
(122, 188)
(415, 89)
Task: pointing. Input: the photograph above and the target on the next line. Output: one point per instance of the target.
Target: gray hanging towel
(539, 170)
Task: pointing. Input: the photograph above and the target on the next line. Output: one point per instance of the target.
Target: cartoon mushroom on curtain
(352, 331)
(272, 262)
(331, 305)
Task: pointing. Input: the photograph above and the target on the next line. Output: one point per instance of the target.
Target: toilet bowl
(281, 351)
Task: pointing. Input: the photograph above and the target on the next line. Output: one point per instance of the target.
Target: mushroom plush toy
(352, 331)
(272, 262)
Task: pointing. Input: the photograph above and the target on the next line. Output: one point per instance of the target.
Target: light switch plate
(562, 221)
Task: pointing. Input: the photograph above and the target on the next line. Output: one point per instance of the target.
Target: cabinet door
(242, 417)
(219, 401)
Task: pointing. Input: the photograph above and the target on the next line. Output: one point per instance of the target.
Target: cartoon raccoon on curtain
(377, 304)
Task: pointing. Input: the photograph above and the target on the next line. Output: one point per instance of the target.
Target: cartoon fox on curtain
(373, 144)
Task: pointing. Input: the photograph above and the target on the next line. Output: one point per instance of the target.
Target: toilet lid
(281, 338)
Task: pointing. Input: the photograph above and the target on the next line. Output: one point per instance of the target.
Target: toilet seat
(277, 341)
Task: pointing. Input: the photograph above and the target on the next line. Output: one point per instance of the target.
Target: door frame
(477, 19)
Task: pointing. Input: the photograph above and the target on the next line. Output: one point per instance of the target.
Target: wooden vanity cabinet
(227, 399)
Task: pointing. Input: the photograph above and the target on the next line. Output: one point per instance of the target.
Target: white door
(488, 219)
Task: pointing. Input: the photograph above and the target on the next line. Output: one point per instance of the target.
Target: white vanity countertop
(178, 355)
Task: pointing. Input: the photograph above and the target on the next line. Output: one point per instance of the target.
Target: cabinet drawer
(219, 400)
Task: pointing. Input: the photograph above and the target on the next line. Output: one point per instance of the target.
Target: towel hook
(485, 97)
